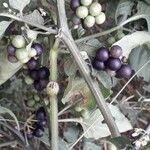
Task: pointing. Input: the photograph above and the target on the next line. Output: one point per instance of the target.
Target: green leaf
(91, 146)
(35, 17)
(129, 42)
(100, 129)
(123, 10)
(3, 26)
(19, 4)
(137, 58)
(4, 110)
(120, 142)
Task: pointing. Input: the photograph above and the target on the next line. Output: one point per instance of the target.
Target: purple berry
(34, 74)
(41, 114)
(12, 59)
(38, 132)
(38, 47)
(43, 83)
(98, 65)
(74, 4)
(102, 54)
(113, 64)
(11, 50)
(116, 51)
(32, 64)
(43, 73)
(37, 85)
(42, 123)
(125, 71)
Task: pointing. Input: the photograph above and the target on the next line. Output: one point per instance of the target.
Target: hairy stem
(53, 98)
(93, 85)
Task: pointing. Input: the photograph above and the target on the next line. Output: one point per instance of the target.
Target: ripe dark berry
(38, 47)
(43, 83)
(32, 64)
(102, 54)
(38, 132)
(125, 71)
(11, 50)
(37, 86)
(98, 65)
(43, 73)
(34, 74)
(74, 4)
(12, 59)
(41, 114)
(42, 123)
(116, 51)
(113, 63)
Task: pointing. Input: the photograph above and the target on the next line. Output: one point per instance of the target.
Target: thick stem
(53, 98)
(68, 40)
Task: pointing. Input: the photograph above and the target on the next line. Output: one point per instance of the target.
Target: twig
(10, 143)
(93, 85)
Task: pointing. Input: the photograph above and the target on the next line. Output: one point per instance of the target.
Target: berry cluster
(88, 12)
(109, 60)
(38, 127)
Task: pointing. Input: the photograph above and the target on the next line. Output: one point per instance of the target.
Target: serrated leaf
(123, 10)
(129, 42)
(3, 26)
(91, 146)
(99, 129)
(137, 58)
(4, 110)
(35, 17)
(71, 134)
(7, 69)
(19, 4)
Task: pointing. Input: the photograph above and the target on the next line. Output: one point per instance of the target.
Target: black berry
(34, 74)
(102, 54)
(32, 64)
(113, 64)
(43, 73)
(116, 51)
(38, 132)
(42, 123)
(74, 4)
(40, 114)
(125, 71)
(11, 50)
(38, 47)
(98, 65)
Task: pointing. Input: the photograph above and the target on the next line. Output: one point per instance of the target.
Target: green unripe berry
(28, 80)
(21, 53)
(95, 9)
(25, 60)
(36, 98)
(111, 40)
(89, 21)
(32, 52)
(82, 12)
(30, 103)
(86, 2)
(18, 41)
(100, 18)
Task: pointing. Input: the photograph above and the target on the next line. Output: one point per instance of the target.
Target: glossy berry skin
(74, 4)
(40, 114)
(38, 47)
(11, 50)
(42, 123)
(38, 132)
(102, 54)
(34, 74)
(125, 71)
(12, 59)
(43, 73)
(115, 51)
(113, 64)
(32, 64)
(98, 65)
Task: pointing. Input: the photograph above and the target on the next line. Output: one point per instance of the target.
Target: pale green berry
(86, 2)
(32, 52)
(95, 9)
(100, 19)
(111, 40)
(89, 21)
(36, 98)
(82, 12)
(21, 53)
(25, 60)
(28, 80)
(18, 41)
(30, 103)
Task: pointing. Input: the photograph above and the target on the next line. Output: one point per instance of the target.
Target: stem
(21, 19)
(84, 69)
(8, 144)
(53, 129)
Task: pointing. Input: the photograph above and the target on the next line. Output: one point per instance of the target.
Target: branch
(93, 85)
